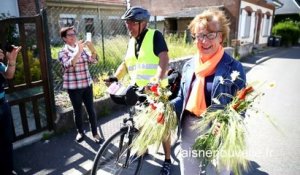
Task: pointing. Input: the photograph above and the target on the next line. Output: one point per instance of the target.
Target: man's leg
(166, 169)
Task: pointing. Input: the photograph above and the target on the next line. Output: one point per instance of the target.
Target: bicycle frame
(121, 140)
(129, 127)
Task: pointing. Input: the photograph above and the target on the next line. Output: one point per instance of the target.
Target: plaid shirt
(78, 76)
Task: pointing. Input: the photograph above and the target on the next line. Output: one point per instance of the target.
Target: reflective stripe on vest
(143, 68)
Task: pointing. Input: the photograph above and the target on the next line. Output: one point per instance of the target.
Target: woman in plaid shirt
(78, 80)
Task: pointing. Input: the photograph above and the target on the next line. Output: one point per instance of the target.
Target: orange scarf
(196, 102)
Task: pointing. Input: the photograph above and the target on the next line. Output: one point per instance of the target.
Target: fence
(108, 31)
(109, 34)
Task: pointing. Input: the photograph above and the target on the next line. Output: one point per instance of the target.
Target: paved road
(62, 155)
(270, 152)
(276, 151)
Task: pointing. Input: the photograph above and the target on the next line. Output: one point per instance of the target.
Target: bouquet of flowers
(227, 147)
(156, 121)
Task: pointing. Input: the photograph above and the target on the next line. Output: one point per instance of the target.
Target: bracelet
(12, 64)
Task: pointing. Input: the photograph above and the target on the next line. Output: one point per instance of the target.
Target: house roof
(87, 2)
(289, 7)
(189, 12)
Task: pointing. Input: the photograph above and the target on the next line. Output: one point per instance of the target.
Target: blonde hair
(210, 15)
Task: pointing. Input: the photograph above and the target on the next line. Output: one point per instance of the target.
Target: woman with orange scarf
(203, 80)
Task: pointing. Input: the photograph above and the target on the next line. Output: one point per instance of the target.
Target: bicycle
(115, 157)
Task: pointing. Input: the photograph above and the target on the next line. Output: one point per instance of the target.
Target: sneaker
(166, 169)
(98, 139)
(79, 137)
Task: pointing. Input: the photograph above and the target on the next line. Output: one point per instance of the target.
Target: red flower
(241, 95)
(152, 105)
(160, 118)
(154, 89)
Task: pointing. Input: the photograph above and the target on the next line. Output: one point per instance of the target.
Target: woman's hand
(12, 56)
(217, 129)
(80, 46)
(90, 45)
(1, 55)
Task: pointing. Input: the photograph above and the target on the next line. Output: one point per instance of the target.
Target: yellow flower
(272, 84)
(153, 80)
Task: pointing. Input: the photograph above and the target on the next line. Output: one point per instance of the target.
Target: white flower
(161, 107)
(216, 101)
(234, 75)
(221, 80)
(150, 100)
(159, 91)
(169, 93)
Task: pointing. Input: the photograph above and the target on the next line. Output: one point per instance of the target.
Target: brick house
(100, 17)
(251, 20)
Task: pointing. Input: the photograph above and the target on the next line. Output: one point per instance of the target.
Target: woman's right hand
(1, 55)
(12, 56)
(217, 129)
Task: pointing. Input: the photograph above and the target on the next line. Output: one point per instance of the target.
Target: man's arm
(121, 71)
(161, 50)
(162, 65)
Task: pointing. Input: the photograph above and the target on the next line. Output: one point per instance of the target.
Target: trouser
(77, 96)
(189, 160)
(6, 138)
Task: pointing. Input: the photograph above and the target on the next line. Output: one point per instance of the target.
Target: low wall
(64, 117)
(245, 49)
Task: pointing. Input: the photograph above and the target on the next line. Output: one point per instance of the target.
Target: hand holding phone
(88, 36)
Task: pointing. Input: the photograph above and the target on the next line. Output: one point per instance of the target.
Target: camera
(9, 48)
(6, 48)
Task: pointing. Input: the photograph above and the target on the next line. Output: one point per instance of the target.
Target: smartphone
(6, 48)
(88, 36)
(9, 48)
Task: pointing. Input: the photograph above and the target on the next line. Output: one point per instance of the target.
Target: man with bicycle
(146, 57)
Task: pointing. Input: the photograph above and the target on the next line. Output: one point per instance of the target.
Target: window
(66, 20)
(247, 24)
(266, 25)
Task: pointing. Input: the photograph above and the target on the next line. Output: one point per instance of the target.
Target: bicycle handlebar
(127, 95)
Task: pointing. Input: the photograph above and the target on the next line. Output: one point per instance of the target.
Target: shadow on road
(254, 169)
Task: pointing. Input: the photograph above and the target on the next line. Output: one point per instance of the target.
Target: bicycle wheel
(114, 156)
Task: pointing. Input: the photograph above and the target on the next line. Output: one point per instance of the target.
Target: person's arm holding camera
(91, 47)
(11, 61)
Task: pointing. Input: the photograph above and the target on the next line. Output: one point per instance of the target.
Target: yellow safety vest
(143, 68)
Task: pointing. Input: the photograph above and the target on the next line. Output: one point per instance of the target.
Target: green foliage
(35, 68)
(289, 32)
(105, 111)
(47, 135)
(54, 51)
(99, 87)
(178, 47)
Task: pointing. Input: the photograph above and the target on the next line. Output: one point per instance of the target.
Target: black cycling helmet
(136, 13)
